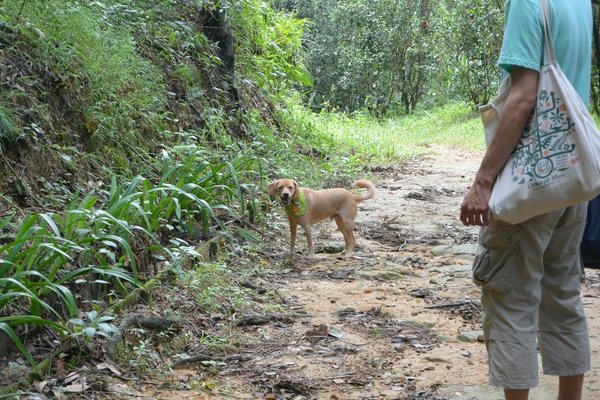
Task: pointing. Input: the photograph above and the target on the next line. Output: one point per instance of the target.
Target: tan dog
(305, 207)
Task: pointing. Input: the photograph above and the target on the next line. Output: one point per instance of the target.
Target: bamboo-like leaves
(52, 253)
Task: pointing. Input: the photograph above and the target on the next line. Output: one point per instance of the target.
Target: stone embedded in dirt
(468, 249)
(441, 250)
(420, 293)
(331, 248)
(378, 275)
(436, 359)
(459, 249)
(439, 242)
(453, 269)
(347, 311)
(343, 349)
(398, 273)
(399, 346)
(340, 274)
(473, 336)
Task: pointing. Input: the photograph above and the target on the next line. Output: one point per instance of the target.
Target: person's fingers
(473, 215)
(467, 217)
(471, 219)
(476, 218)
(485, 218)
(463, 214)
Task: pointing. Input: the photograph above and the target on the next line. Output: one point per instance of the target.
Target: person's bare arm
(514, 116)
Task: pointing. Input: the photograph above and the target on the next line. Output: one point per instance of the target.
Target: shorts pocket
(494, 262)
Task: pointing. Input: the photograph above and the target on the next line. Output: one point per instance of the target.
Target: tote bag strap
(549, 56)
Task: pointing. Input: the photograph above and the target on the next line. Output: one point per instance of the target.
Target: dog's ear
(273, 188)
(296, 190)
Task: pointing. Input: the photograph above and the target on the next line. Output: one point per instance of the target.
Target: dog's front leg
(309, 241)
(293, 231)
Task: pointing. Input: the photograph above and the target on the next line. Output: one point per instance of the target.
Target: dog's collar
(297, 207)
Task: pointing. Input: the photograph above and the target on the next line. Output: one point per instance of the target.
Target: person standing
(531, 272)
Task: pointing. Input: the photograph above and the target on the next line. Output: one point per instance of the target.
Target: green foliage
(367, 54)
(468, 37)
(191, 190)
(6, 324)
(387, 56)
(268, 45)
(92, 325)
(40, 271)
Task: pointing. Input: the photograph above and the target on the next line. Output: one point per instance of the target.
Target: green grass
(393, 140)
(331, 148)
(123, 91)
(8, 130)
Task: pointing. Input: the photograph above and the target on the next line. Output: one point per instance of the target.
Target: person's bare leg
(570, 387)
(516, 394)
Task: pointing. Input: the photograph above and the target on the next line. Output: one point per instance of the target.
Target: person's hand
(474, 208)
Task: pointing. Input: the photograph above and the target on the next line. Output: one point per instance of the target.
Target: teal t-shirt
(571, 26)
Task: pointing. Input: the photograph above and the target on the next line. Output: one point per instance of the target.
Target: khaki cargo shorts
(530, 276)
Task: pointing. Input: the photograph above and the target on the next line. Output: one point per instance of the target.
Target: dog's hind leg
(347, 229)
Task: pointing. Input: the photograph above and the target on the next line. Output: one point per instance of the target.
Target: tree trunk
(217, 29)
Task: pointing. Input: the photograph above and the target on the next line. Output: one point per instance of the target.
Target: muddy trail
(400, 319)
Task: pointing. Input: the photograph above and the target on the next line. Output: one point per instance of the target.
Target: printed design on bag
(546, 149)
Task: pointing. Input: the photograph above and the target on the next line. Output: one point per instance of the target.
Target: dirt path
(401, 319)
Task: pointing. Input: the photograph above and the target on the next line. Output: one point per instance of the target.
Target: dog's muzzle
(285, 198)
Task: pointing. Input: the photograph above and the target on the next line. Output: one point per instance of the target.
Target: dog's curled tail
(365, 184)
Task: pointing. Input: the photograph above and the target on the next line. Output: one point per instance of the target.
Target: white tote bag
(556, 163)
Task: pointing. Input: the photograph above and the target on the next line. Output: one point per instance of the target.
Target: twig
(12, 204)
(330, 378)
(21, 10)
(402, 245)
(206, 357)
(457, 303)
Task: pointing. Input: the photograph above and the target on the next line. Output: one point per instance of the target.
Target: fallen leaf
(77, 388)
(111, 367)
(71, 377)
